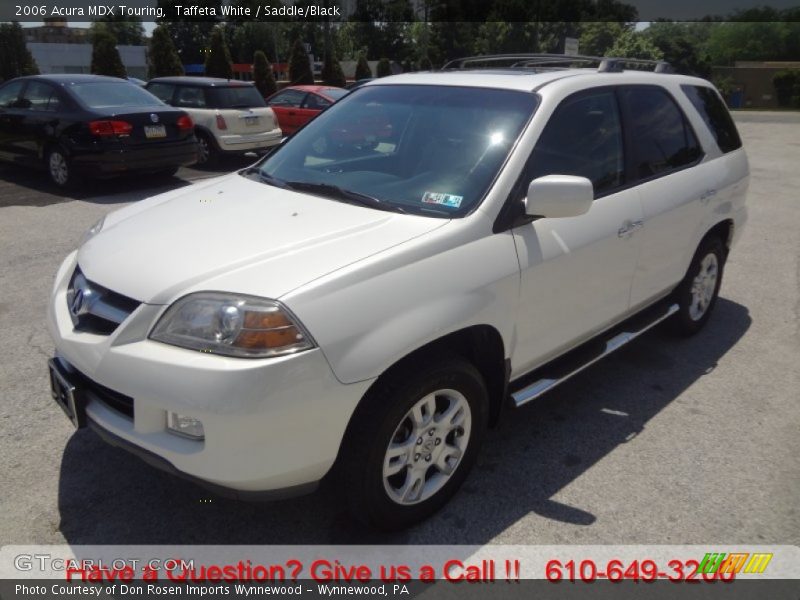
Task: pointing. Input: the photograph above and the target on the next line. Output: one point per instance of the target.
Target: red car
(296, 105)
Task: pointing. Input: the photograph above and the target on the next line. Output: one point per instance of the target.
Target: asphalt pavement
(668, 441)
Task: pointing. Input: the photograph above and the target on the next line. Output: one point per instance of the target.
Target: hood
(236, 235)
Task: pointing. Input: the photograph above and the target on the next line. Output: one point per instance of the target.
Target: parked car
(230, 116)
(367, 317)
(358, 83)
(298, 104)
(76, 126)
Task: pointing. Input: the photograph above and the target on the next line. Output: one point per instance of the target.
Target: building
(59, 48)
(750, 82)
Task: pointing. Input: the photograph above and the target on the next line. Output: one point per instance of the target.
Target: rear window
(110, 94)
(335, 94)
(715, 114)
(242, 96)
(663, 141)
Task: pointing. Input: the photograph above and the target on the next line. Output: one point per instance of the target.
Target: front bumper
(270, 424)
(248, 142)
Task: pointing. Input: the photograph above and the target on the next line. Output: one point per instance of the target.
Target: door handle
(629, 228)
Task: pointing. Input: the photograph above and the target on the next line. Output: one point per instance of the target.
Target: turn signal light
(107, 128)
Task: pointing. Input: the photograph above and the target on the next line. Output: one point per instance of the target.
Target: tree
(684, 45)
(163, 60)
(332, 73)
(597, 37)
(218, 61)
(128, 31)
(362, 67)
(262, 75)
(299, 66)
(787, 87)
(425, 64)
(634, 44)
(105, 56)
(16, 58)
(384, 68)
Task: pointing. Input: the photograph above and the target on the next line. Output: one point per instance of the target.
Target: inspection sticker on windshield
(448, 200)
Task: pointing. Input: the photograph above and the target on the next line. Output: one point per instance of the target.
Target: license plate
(251, 121)
(66, 395)
(155, 131)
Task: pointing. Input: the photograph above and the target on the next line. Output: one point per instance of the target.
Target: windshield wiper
(256, 172)
(329, 190)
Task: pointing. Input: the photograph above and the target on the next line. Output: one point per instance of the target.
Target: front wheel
(697, 293)
(413, 443)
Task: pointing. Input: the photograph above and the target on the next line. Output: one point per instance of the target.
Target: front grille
(95, 309)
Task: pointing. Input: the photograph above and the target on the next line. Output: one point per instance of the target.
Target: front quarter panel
(367, 317)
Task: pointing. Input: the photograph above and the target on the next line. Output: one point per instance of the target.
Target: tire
(59, 168)
(429, 414)
(207, 153)
(697, 294)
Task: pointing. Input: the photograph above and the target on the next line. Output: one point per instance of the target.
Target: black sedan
(89, 125)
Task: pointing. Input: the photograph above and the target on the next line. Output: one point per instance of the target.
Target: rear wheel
(413, 443)
(697, 293)
(59, 167)
(207, 154)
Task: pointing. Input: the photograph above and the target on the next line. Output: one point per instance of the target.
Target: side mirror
(555, 196)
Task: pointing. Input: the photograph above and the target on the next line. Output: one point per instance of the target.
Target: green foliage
(754, 40)
(246, 38)
(634, 44)
(299, 65)
(126, 30)
(262, 75)
(332, 73)
(16, 58)
(384, 68)
(597, 37)
(163, 60)
(787, 87)
(684, 45)
(218, 61)
(362, 68)
(425, 64)
(105, 56)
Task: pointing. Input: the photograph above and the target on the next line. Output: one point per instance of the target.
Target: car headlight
(232, 325)
(93, 230)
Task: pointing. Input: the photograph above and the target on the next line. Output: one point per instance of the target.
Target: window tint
(162, 91)
(716, 115)
(288, 98)
(9, 94)
(190, 97)
(239, 96)
(315, 102)
(113, 95)
(584, 138)
(661, 138)
(40, 96)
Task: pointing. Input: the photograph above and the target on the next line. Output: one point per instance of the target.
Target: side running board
(550, 375)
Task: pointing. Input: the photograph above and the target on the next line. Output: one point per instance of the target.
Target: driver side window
(583, 138)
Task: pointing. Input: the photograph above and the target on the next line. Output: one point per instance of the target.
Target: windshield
(110, 94)
(431, 150)
(240, 96)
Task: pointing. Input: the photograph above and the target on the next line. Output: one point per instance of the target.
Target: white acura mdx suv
(366, 310)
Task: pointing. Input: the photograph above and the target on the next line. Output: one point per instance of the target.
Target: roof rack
(606, 64)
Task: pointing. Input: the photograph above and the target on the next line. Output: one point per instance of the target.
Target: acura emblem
(154, 117)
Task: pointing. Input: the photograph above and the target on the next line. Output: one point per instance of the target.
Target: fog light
(185, 426)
